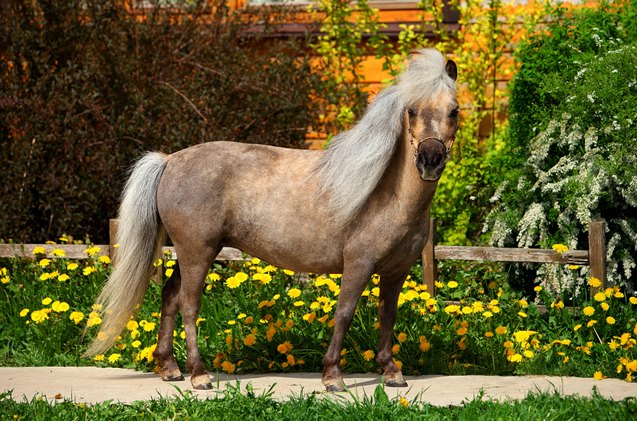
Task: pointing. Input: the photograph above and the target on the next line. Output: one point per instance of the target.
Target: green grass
(233, 405)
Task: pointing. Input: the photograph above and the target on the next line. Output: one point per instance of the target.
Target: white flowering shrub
(578, 163)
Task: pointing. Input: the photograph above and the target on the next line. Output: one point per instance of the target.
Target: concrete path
(92, 384)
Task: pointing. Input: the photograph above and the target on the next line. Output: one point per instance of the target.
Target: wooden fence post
(597, 252)
(113, 225)
(429, 266)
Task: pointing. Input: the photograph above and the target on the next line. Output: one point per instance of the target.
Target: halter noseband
(447, 149)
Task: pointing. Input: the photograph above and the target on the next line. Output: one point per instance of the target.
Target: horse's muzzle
(431, 158)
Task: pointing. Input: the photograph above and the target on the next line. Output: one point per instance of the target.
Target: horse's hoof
(175, 378)
(201, 382)
(203, 386)
(396, 383)
(334, 388)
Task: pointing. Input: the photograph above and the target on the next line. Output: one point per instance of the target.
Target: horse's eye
(454, 113)
(411, 112)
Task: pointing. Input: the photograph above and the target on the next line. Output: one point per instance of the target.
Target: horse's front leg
(390, 288)
(355, 277)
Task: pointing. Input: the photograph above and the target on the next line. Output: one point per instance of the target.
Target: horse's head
(430, 126)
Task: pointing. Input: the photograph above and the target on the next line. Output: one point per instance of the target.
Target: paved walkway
(92, 384)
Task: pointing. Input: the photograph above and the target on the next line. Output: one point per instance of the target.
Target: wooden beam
(113, 225)
(597, 252)
(429, 266)
(502, 254)
(71, 251)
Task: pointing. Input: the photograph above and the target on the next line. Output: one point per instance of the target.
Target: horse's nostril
(437, 159)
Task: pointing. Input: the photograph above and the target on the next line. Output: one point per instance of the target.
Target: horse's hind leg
(194, 265)
(164, 350)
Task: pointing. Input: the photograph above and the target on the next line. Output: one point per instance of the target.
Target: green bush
(571, 152)
(86, 86)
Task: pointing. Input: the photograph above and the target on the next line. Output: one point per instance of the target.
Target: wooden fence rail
(595, 256)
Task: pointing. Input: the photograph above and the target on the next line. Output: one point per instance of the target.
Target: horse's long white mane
(356, 160)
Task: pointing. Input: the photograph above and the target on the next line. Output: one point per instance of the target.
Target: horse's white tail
(140, 236)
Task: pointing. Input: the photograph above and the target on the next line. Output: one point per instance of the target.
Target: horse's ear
(452, 69)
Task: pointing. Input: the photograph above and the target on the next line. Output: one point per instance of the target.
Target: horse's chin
(430, 177)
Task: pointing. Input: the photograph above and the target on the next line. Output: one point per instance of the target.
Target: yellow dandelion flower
(284, 347)
(132, 325)
(58, 252)
(368, 355)
(515, 358)
(38, 316)
(402, 337)
(88, 270)
(294, 293)
(404, 402)
(452, 284)
(228, 367)
(60, 307)
(452, 309)
(149, 326)
(113, 358)
(136, 344)
(598, 375)
(72, 266)
(232, 282)
(528, 354)
(488, 334)
(537, 288)
(487, 314)
(591, 323)
(39, 250)
(288, 272)
(46, 301)
(610, 320)
(76, 316)
(600, 296)
(588, 311)
(309, 317)
(559, 248)
(501, 330)
(44, 262)
(633, 300)
(594, 282)
(250, 339)
(604, 306)
(93, 321)
(99, 357)
(92, 251)
(214, 276)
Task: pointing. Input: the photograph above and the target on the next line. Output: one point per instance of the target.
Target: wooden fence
(595, 256)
